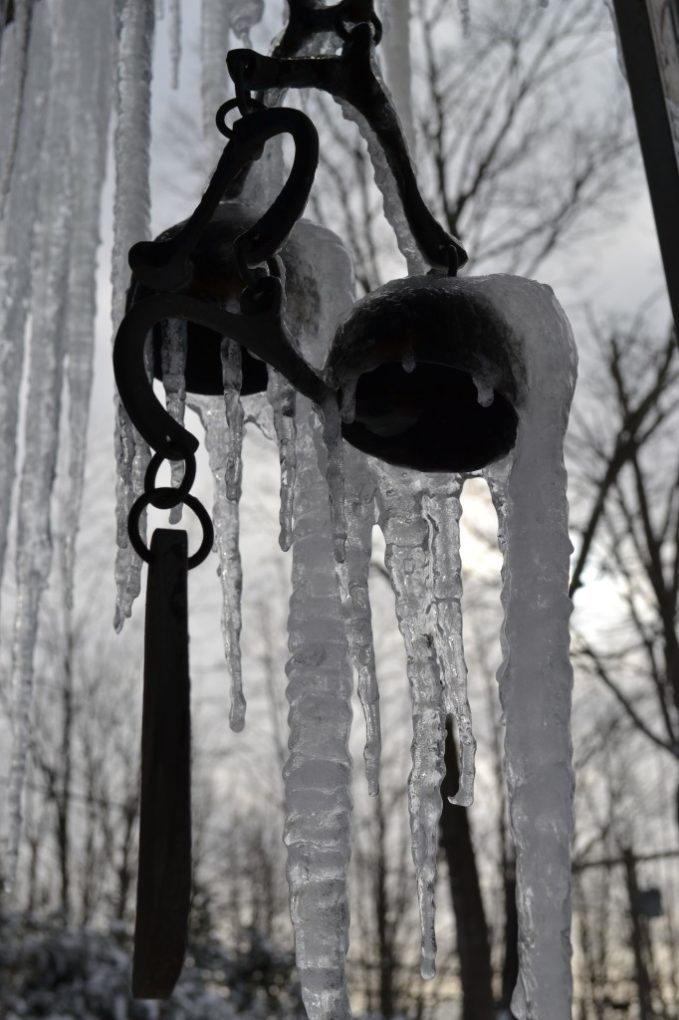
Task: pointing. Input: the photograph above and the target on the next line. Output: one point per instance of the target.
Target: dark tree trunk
(476, 973)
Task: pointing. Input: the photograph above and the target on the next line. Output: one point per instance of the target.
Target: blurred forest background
(526, 149)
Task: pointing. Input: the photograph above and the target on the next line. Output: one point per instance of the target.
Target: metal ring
(234, 104)
(186, 483)
(194, 504)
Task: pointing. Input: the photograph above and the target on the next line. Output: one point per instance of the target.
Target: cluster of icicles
(61, 71)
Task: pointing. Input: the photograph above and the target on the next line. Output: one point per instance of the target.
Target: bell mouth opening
(203, 370)
(432, 418)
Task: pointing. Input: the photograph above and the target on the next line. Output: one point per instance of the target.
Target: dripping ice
(55, 183)
(222, 422)
(130, 224)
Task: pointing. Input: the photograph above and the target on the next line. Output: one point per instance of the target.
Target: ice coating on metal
(393, 209)
(529, 491)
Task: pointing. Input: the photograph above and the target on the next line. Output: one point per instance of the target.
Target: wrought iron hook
(165, 265)
(351, 77)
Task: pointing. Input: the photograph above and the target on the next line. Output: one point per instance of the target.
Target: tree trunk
(473, 943)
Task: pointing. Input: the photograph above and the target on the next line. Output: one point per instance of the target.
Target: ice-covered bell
(215, 278)
(427, 377)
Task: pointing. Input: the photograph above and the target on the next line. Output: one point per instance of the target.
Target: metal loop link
(186, 483)
(156, 499)
(235, 104)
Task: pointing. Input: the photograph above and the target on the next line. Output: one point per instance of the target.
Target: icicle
(232, 378)
(173, 364)
(215, 83)
(408, 561)
(16, 245)
(408, 361)
(225, 517)
(529, 491)
(485, 393)
(334, 472)
(465, 16)
(396, 48)
(89, 146)
(281, 396)
(318, 771)
(131, 224)
(175, 40)
(49, 279)
(353, 573)
(442, 510)
(245, 14)
(23, 18)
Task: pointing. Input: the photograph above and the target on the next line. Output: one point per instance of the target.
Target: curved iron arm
(166, 265)
(260, 329)
(351, 77)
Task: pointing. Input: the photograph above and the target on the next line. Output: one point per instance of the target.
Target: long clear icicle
(318, 771)
(529, 491)
(408, 562)
(215, 28)
(442, 510)
(398, 67)
(222, 448)
(23, 18)
(281, 396)
(333, 454)
(16, 245)
(89, 145)
(49, 278)
(132, 203)
(174, 334)
(175, 41)
(353, 574)
(230, 562)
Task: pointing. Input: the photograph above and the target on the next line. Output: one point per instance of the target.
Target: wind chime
(426, 373)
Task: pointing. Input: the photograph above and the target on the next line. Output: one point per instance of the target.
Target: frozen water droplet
(409, 361)
(484, 391)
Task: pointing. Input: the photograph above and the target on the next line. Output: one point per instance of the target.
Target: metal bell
(215, 278)
(427, 375)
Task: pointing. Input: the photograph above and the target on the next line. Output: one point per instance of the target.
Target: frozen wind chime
(381, 408)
